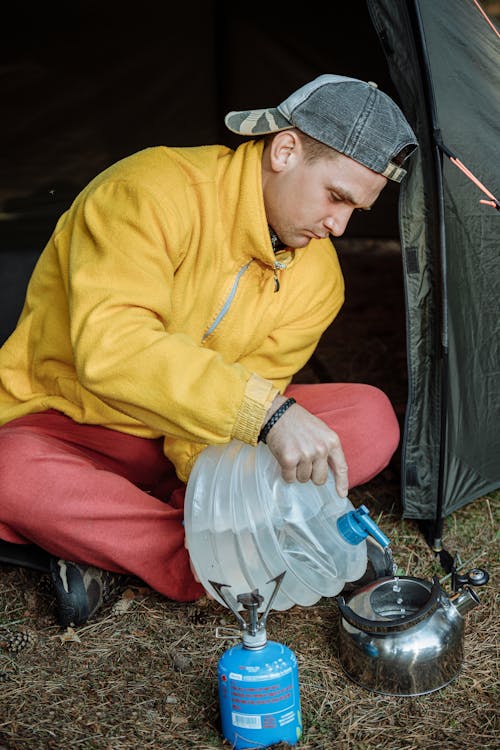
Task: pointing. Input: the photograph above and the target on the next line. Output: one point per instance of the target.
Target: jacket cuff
(259, 395)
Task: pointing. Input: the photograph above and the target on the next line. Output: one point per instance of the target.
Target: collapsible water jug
(245, 525)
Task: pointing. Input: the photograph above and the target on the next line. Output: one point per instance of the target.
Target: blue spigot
(355, 526)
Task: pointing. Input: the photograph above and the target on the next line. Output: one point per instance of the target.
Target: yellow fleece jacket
(153, 308)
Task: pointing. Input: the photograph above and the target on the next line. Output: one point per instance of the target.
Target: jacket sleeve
(121, 268)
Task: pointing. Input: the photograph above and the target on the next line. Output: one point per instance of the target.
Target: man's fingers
(304, 471)
(305, 447)
(339, 468)
(319, 473)
(289, 473)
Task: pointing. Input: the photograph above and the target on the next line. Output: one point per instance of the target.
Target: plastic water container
(245, 526)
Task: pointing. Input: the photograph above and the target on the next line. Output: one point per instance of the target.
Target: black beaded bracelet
(274, 418)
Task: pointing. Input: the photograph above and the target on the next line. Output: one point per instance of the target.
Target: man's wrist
(278, 400)
(276, 415)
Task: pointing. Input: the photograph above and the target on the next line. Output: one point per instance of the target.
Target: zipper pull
(276, 282)
(279, 266)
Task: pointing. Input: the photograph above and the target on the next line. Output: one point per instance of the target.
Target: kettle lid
(394, 624)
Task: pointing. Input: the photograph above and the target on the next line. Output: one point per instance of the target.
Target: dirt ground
(143, 674)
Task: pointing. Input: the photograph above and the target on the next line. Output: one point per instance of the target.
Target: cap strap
(393, 172)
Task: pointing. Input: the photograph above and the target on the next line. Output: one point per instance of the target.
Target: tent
(444, 57)
(111, 81)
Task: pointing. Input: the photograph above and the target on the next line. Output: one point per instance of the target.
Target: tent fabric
(444, 59)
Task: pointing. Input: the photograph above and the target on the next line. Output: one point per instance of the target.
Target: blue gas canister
(258, 681)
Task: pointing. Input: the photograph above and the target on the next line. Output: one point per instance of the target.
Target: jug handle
(386, 626)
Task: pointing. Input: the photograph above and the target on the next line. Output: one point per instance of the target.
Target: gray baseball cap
(349, 115)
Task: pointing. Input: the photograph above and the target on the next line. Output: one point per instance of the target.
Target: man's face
(307, 201)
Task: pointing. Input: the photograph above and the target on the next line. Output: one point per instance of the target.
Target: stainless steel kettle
(400, 635)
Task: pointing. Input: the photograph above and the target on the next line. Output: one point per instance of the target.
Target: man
(170, 309)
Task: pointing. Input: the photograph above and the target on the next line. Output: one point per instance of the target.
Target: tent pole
(437, 545)
(434, 538)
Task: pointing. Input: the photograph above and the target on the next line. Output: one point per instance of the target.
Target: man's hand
(305, 447)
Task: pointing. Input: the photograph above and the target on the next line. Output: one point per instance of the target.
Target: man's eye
(335, 198)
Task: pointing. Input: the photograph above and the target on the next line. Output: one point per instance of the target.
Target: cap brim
(257, 122)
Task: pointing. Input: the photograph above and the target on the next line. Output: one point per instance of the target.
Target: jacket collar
(242, 204)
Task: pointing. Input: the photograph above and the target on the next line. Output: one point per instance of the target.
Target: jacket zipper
(230, 297)
(227, 303)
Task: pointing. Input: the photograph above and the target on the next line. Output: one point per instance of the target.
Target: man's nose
(338, 220)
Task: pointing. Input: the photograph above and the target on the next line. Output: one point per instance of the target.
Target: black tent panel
(445, 61)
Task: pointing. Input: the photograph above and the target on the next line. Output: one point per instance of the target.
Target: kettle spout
(465, 600)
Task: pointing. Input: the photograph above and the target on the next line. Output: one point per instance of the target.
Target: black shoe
(81, 590)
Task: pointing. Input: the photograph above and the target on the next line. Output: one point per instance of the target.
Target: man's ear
(284, 151)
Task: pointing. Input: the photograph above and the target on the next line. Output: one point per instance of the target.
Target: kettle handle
(386, 626)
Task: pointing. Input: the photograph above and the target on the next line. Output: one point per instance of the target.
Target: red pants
(97, 496)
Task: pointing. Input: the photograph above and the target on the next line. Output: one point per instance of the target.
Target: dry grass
(143, 676)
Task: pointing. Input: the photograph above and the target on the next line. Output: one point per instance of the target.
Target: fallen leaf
(122, 606)
(181, 662)
(69, 635)
(179, 720)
